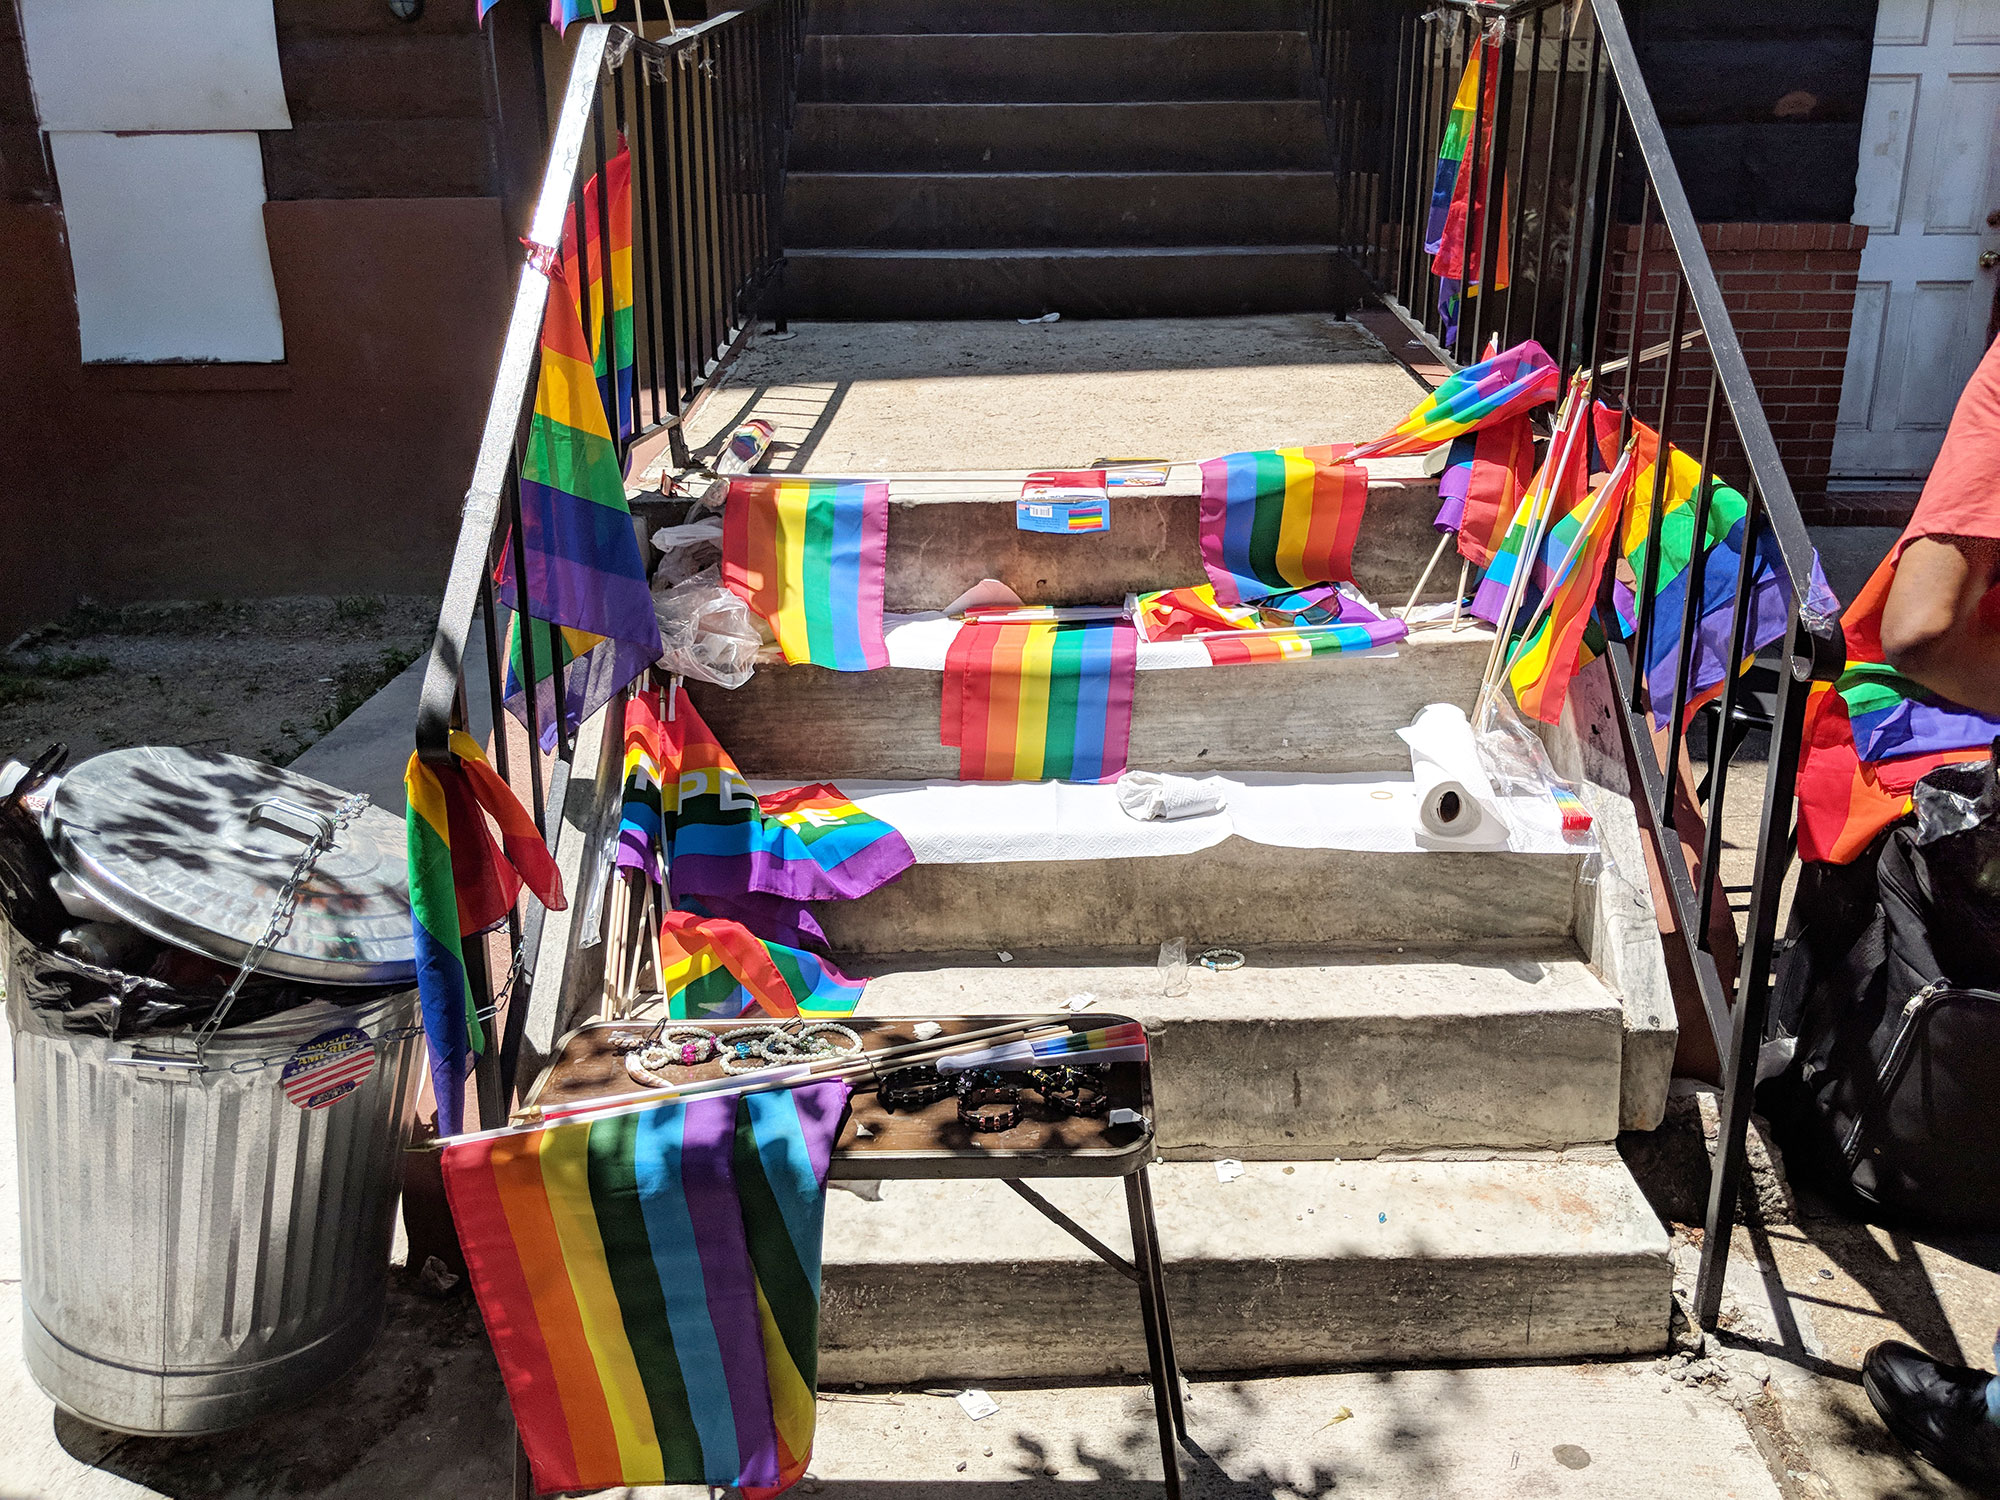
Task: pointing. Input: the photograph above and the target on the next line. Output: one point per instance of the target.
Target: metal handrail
(707, 109)
(1565, 137)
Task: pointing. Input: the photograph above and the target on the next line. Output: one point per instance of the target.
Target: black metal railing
(704, 114)
(1606, 268)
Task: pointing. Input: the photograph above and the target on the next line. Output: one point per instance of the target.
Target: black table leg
(1158, 1270)
(1165, 1378)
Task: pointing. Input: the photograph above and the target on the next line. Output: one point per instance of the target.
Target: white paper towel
(1153, 794)
(1456, 807)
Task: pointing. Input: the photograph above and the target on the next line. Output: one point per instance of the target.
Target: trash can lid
(194, 847)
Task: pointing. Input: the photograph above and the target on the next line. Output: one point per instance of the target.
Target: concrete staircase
(1424, 1061)
(1088, 157)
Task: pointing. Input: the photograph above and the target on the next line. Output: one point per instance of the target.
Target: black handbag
(1893, 1096)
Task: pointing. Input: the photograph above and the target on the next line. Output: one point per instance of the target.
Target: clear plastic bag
(686, 550)
(708, 633)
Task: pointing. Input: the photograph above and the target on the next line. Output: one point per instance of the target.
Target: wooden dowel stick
(1425, 576)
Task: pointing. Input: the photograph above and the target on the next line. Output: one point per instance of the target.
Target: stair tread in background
(943, 17)
(1073, 65)
(1148, 136)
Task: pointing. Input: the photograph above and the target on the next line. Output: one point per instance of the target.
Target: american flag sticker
(328, 1068)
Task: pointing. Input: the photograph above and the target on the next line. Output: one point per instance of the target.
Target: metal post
(1164, 1397)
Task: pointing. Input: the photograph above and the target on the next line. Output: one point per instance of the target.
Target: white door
(1928, 188)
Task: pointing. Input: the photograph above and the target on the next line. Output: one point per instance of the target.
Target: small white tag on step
(1228, 1169)
(977, 1404)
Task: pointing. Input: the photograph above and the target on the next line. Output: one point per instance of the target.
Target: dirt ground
(263, 678)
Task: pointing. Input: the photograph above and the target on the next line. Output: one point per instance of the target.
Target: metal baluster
(646, 269)
(601, 252)
(1544, 235)
(1518, 198)
(1753, 987)
(1697, 584)
(1586, 129)
(1636, 339)
(1649, 579)
(1732, 684)
(525, 636)
(1594, 316)
(1492, 217)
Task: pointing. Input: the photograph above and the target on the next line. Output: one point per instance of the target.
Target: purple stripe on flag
(710, 1183)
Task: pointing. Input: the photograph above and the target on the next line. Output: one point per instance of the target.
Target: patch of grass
(90, 618)
(358, 609)
(69, 668)
(19, 690)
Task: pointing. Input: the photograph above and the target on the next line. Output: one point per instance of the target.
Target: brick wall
(1790, 293)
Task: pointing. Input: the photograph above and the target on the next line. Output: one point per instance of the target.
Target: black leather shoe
(1937, 1410)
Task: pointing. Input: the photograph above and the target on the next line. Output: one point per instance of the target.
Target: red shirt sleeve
(1962, 496)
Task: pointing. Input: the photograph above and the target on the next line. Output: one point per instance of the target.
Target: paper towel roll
(1455, 801)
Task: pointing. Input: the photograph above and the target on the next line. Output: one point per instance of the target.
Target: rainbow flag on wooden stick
(1511, 383)
(808, 555)
(1485, 476)
(1548, 658)
(805, 844)
(1769, 608)
(1279, 520)
(714, 968)
(461, 885)
(1040, 699)
(613, 361)
(650, 1282)
(585, 577)
(1460, 234)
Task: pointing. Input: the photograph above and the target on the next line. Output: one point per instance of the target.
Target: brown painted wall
(341, 470)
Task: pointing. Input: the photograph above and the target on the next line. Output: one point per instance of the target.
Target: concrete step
(1285, 1267)
(1011, 68)
(889, 210)
(1315, 1053)
(947, 532)
(1182, 281)
(1180, 136)
(1327, 714)
(1236, 892)
(998, 16)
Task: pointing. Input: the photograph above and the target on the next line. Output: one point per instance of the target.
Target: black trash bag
(179, 991)
(1893, 978)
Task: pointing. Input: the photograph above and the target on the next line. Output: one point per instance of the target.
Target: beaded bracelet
(912, 1088)
(989, 1096)
(1074, 1091)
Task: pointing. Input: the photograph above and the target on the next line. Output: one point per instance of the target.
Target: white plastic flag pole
(1425, 577)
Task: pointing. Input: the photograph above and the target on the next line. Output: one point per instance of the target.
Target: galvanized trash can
(207, 1210)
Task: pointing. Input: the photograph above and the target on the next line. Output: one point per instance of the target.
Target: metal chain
(282, 911)
(400, 1033)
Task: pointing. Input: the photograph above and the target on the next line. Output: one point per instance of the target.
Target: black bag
(1893, 980)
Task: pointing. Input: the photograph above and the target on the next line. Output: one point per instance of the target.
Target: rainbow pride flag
(1560, 488)
(806, 844)
(1040, 699)
(1722, 543)
(1508, 384)
(650, 1281)
(562, 13)
(585, 576)
(1462, 231)
(1549, 658)
(716, 969)
(462, 884)
(1267, 647)
(1279, 520)
(641, 833)
(613, 363)
(1175, 614)
(1871, 735)
(1485, 475)
(808, 555)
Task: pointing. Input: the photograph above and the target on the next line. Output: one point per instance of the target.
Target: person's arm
(1932, 626)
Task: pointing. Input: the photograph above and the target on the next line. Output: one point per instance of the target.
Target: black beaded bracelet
(912, 1088)
(1074, 1091)
(973, 1100)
